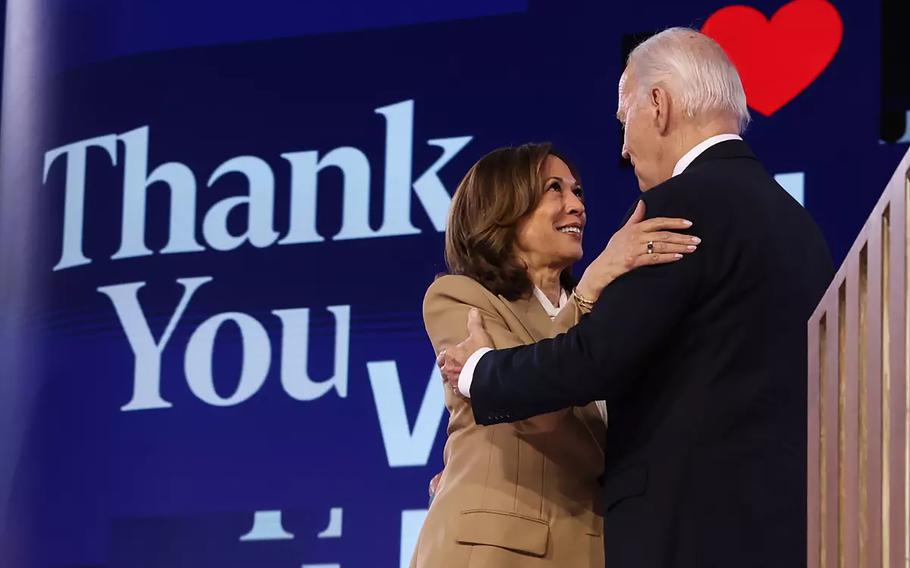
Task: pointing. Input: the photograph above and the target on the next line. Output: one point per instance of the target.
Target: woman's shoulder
(446, 305)
(463, 289)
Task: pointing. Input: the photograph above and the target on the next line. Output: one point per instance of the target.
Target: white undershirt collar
(695, 152)
(548, 306)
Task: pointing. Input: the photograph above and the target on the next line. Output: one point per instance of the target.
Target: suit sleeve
(446, 308)
(601, 356)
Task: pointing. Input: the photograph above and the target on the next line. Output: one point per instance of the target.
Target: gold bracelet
(585, 302)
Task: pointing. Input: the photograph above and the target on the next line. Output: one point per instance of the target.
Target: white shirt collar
(695, 152)
(548, 306)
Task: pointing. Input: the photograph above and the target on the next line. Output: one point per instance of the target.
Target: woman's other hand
(641, 242)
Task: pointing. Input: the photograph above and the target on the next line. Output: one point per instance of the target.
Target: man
(702, 362)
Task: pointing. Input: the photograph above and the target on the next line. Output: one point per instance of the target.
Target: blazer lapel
(531, 315)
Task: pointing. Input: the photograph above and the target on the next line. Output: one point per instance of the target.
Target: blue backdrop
(217, 222)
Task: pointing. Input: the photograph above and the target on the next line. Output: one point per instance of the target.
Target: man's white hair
(694, 68)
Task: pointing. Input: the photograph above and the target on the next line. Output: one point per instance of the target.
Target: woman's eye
(554, 186)
(579, 192)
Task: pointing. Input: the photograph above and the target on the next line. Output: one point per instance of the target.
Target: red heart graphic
(777, 59)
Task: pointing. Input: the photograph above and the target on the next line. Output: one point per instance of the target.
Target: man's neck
(695, 134)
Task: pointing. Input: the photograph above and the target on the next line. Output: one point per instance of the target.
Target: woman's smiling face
(551, 234)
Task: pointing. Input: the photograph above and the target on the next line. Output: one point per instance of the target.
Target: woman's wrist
(586, 294)
(590, 286)
(585, 302)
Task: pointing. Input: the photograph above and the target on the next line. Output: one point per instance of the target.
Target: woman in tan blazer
(523, 494)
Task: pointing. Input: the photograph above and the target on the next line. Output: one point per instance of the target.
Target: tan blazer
(511, 495)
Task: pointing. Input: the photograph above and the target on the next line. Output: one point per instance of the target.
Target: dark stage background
(217, 222)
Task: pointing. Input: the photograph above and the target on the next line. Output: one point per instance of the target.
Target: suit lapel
(531, 315)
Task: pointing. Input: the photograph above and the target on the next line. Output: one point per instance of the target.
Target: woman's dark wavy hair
(495, 194)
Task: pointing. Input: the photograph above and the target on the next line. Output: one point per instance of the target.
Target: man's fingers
(434, 483)
(450, 374)
(475, 322)
(441, 358)
(452, 363)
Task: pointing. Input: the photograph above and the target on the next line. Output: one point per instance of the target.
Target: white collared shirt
(547, 305)
(696, 151)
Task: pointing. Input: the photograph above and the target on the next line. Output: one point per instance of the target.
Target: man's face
(641, 141)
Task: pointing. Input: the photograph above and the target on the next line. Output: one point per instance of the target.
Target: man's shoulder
(680, 195)
(707, 186)
(719, 171)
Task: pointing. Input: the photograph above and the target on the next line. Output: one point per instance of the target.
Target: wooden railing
(859, 426)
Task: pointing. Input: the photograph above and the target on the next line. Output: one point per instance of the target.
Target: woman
(524, 494)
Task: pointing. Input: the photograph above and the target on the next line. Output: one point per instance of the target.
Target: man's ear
(660, 103)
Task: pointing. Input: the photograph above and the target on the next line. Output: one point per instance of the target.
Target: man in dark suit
(702, 362)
